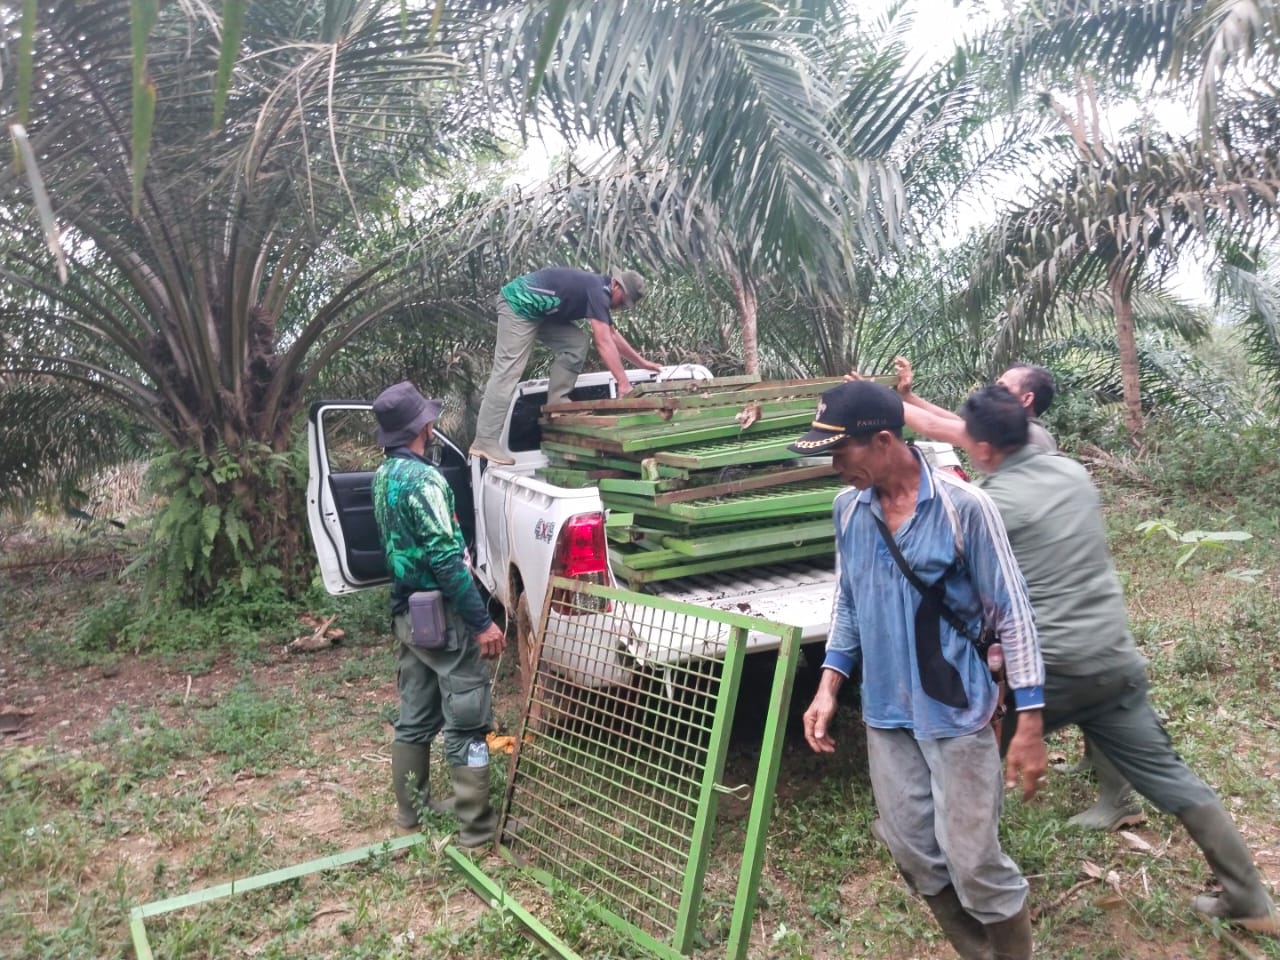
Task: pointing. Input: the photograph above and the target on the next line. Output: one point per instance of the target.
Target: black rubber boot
(1011, 939)
(477, 820)
(1244, 900)
(962, 929)
(410, 769)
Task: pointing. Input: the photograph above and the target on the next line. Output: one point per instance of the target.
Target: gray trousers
(569, 341)
(446, 689)
(1115, 713)
(939, 805)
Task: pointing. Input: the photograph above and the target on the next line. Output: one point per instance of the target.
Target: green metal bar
(771, 747)
(497, 899)
(141, 945)
(813, 493)
(573, 454)
(138, 915)
(565, 476)
(640, 439)
(641, 488)
(766, 390)
(759, 480)
(799, 504)
(727, 617)
(604, 416)
(275, 876)
(748, 540)
(717, 752)
(644, 559)
(760, 450)
(636, 574)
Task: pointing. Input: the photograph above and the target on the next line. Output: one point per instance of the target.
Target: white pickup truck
(522, 531)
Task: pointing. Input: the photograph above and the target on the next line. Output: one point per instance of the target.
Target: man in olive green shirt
(1035, 389)
(1095, 676)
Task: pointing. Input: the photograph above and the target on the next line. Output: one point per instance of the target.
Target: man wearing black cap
(554, 306)
(928, 697)
(440, 620)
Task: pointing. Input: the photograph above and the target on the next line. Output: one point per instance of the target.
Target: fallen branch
(1040, 911)
(320, 639)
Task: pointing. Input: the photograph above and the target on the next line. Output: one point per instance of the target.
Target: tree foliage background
(216, 214)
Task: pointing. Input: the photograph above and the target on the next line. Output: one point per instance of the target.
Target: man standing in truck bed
(555, 306)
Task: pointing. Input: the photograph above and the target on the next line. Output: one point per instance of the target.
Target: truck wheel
(524, 642)
(537, 705)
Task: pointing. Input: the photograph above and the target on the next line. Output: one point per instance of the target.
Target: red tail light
(581, 552)
(580, 548)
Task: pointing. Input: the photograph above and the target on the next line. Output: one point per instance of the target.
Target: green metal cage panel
(613, 789)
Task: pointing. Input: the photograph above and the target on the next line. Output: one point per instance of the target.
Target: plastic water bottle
(477, 754)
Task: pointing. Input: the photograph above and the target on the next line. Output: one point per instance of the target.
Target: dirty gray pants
(939, 803)
(569, 341)
(443, 690)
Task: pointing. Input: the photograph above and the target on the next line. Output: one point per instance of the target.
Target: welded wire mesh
(611, 779)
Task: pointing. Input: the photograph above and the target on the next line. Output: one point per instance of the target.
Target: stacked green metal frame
(613, 792)
(703, 470)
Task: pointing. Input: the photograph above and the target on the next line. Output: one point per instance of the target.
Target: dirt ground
(64, 706)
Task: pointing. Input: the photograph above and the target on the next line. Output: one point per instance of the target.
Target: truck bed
(797, 594)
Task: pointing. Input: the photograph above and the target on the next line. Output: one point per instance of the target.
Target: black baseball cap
(856, 408)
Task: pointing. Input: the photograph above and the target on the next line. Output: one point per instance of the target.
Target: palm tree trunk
(744, 292)
(1128, 348)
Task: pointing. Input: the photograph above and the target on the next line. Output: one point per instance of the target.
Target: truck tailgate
(796, 594)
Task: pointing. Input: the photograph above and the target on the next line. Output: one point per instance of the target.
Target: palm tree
(206, 297)
(1110, 214)
(1199, 47)
(1117, 215)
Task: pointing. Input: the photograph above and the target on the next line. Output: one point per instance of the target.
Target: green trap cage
(618, 769)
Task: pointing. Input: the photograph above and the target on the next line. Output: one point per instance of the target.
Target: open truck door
(342, 459)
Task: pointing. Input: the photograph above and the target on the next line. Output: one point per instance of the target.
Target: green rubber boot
(963, 930)
(477, 820)
(410, 770)
(1244, 900)
(1118, 806)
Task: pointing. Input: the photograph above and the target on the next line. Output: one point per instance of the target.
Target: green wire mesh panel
(615, 779)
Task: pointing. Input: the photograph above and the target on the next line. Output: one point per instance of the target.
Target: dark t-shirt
(560, 293)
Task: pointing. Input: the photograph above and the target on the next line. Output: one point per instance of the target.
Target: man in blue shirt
(555, 306)
(927, 694)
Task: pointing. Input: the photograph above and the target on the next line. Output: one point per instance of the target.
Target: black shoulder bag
(938, 678)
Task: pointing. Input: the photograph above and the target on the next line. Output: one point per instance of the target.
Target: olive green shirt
(1054, 519)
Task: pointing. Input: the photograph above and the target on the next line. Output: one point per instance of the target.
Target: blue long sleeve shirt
(954, 534)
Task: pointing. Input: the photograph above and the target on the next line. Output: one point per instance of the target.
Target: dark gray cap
(633, 286)
(402, 412)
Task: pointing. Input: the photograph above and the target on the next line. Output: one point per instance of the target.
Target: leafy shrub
(106, 627)
(1199, 463)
